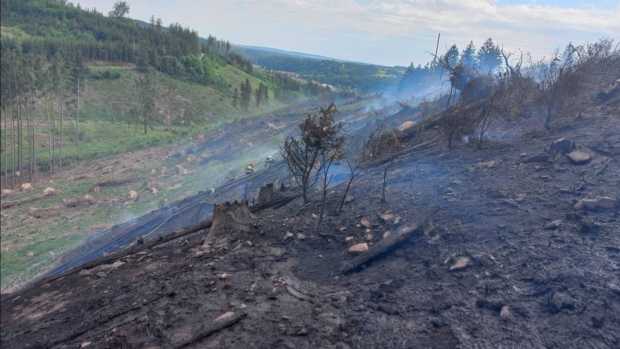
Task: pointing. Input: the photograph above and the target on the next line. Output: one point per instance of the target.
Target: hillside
(511, 245)
(343, 74)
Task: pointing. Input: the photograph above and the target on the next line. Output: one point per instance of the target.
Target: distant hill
(340, 73)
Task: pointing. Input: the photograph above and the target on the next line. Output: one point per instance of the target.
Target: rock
(301, 236)
(101, 274)
(224, 276)
(386, 234)
(348, 238)
(369, 237)
(343, 228)
(349, 198)
(553, 225)
(225, 316)
(461, 264)
(406, 125)
(85, 344)
(593, 204)
(536, 158)
(358, 248)
(365, 222)
(486, 164)
(387, 218)
(505, 312)
(288, 235)
(561, 146)
(84, 272)
(428, 230)
(579, 157)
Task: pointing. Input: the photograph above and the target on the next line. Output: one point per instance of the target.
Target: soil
(507, 262)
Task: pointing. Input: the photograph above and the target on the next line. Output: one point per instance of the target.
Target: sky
(387, 32)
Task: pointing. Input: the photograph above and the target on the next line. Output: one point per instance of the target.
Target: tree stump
(266, 195)
(230, 219)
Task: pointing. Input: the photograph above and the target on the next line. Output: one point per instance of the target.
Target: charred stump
(230, 219)
(267, 194)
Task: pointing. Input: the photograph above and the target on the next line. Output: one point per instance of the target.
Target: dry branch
(390, 242)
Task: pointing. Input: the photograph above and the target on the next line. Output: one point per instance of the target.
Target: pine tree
(235, 97)
(453, 55)
(468, 56)
(246, 94)
(489, 57)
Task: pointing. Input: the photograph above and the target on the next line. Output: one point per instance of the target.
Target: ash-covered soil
(507, 262)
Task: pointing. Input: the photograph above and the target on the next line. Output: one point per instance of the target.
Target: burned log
(389, 242)
(216, 326)
(230, 218)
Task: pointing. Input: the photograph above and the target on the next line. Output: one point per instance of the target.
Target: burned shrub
(457, 121)
(318, 133)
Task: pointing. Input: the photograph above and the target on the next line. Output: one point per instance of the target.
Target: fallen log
(47, 193)
(389, 242)
(113, 183)
(404, 152)
(216, 326)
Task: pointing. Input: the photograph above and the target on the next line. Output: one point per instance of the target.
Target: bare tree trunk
(62, 98)
(20, 144)
(53, 139)
(77, 121)
(49, 138)
(12, 144)
(33, 161)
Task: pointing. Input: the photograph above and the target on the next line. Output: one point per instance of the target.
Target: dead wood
(216, 326)
(81, 201)
(390, 242)
(43, 212)
(7, 204)
(113, 183)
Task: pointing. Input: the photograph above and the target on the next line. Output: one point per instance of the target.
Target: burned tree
(301, 155)
(354, 163)
(381, 146)
(331, 150)
(454, 122)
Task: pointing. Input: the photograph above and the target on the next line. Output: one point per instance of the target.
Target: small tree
(146, 86)
(391, 145)
(301, 154)
(331, 150)
(453, 123)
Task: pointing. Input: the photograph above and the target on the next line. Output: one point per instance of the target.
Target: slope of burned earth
(522, 253)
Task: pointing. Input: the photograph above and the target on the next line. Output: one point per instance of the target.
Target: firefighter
(268, 161)
(249, 169)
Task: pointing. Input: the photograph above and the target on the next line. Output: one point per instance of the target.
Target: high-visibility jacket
(249, 169)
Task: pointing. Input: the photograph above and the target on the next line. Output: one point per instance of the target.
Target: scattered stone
(386, 217)
(85, 344)
(224, 276)
(365, 222)
(505, 312)
(456, 181)
(602, 203)
(343, 228)
(101, 274)
(348, 238)
(386, 234)
(349, 198)
(579, 157)
(301, 236)
(85, 272)
(461, 264)
(369, 237)
(358, 248)
(288, 235)
(428, 230)
(553, 225)
(225, 316)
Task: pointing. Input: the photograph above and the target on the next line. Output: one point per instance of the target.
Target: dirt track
(529, 283)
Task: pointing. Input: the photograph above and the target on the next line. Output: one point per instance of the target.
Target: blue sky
(388, 32)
